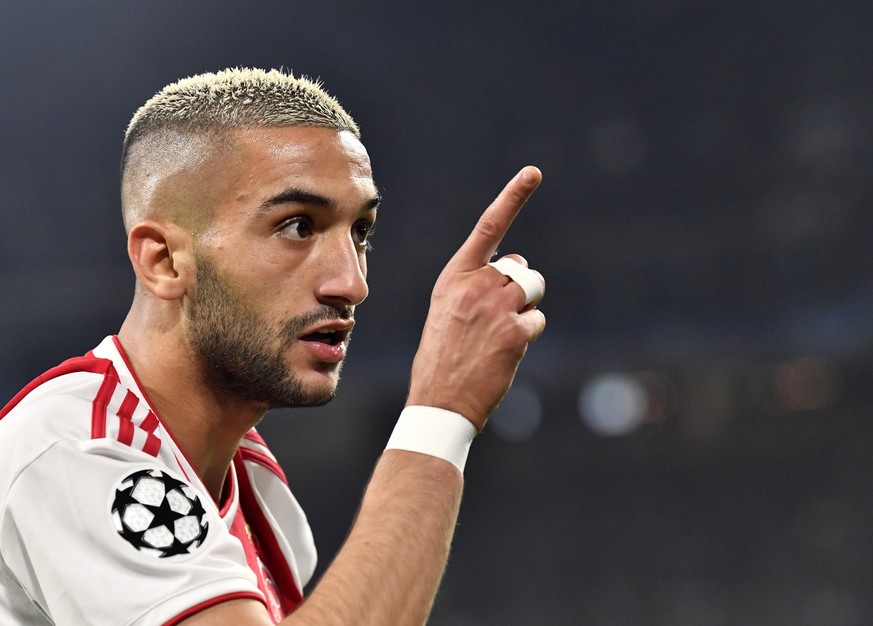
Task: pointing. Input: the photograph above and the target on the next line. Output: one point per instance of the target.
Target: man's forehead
(303, 153)
(269, 167)
(302, 142)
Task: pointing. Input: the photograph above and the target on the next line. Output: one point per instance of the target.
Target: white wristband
(436, 432)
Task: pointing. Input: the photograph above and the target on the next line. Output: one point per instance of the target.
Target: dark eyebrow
(301, 196)
(372, 203)
(296, 196)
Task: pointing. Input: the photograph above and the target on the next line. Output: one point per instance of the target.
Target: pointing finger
(495, 221)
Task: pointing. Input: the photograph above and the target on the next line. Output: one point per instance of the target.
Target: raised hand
(478, 327)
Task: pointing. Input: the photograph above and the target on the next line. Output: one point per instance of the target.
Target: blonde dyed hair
(174, 128)
(238, 98)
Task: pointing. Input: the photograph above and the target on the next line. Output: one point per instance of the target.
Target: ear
(161, 257)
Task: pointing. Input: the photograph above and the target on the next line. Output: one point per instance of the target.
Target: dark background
(689, 442)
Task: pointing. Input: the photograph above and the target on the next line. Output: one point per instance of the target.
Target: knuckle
(474, 295)
(518, 194)
(513, 332)
(488, 226)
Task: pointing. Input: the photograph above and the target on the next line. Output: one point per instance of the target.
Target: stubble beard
(237, 347)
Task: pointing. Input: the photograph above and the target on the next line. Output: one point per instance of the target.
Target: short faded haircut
(237, 98)
(204, 109)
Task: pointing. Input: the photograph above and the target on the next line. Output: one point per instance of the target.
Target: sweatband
(435, 432)
(527, 279)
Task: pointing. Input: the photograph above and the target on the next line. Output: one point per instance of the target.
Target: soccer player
(133, 486)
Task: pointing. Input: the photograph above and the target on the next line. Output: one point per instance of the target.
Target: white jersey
(103, 521)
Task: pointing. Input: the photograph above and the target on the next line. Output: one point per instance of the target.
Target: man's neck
(207, 425)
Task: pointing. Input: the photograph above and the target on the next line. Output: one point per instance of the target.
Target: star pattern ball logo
(158, 514)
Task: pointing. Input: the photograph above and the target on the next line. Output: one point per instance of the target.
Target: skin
(277, 270)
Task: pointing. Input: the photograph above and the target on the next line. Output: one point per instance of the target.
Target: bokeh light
(613, 404)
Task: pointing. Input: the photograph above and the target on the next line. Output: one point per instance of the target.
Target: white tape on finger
(527, 279)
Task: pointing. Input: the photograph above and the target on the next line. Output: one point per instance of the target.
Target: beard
(240, 353)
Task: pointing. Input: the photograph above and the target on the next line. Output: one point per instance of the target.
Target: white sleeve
(63, 538)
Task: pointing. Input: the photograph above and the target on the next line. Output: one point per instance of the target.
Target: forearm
(389, 569)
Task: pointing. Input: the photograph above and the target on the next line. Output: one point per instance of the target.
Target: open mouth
(328, 336)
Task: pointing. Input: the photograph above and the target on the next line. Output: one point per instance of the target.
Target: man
(133, 487)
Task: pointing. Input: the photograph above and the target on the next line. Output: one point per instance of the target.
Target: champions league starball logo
(158, 514)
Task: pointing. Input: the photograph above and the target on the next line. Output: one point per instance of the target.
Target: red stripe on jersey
(125, 432)
(212, 602)
(90, 364)
(99, 404)
(125, 414)
(241, 530)
(253, 435)
(289, 592)
(150, 422)
(259, 457)
(153, 444)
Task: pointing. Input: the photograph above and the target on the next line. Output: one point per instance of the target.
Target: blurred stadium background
(690, 442)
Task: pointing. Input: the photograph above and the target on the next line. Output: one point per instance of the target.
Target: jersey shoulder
(80, 400)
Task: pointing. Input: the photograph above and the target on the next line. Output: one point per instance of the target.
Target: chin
(310, 393)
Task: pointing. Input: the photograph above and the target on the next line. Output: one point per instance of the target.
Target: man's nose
(343, 279)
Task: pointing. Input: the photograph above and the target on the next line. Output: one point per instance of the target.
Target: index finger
(489, 231)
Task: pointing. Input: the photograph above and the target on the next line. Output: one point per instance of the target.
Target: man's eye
(297, 228)
(362, 232)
